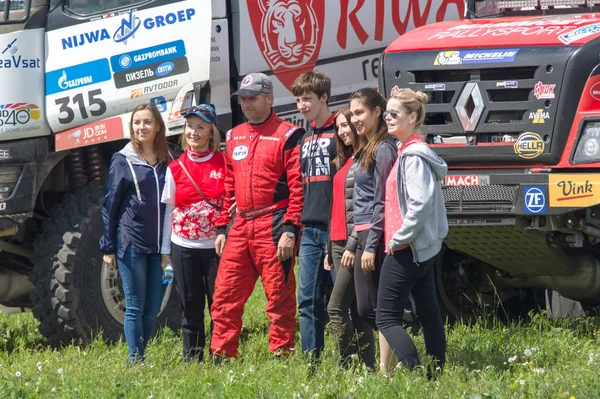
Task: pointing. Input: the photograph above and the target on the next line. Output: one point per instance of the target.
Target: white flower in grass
(591, 359)
(39, 366)
(527, 352)
(18, 374)
(539, 370)
(522, 382)
(512, 358)
(60, 371)
(53, 389)
(360, 380)
(150, 396)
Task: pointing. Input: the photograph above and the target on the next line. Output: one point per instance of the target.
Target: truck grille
(491, 198)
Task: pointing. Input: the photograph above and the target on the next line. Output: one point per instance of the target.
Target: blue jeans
(312, 282)
(141, 276)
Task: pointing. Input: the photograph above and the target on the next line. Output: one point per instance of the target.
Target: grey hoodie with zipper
(424, 224)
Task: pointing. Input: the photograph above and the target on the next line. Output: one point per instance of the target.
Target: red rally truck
(515, 111)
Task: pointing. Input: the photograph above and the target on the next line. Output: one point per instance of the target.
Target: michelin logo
(456, 57)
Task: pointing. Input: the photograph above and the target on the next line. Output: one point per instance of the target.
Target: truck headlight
(588, 148)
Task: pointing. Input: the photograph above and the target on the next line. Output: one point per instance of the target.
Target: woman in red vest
(194, 192)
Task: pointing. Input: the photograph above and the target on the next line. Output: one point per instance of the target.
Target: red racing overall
(263, 174)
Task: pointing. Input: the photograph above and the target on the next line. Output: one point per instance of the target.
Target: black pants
(353, 334)
(195, 273)
(399, 277)
(366, 284)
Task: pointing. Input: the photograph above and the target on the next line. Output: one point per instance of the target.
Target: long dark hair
(161, 148)
(344, 151)
(371, 99)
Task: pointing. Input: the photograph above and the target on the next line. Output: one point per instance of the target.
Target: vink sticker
(535, 200)
(456, 57)
(151, 72)
(240, 152)
(147, 56)
(77, 76)
(130, 25)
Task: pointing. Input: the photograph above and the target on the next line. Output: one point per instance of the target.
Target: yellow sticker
(574, 190)
(529, 145)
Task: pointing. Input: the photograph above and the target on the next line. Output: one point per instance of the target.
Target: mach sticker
(467, 180)
(539, 116)
(455, 57)
(574, 190)
(535, 200)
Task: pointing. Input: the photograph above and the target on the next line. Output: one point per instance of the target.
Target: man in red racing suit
(263, 174)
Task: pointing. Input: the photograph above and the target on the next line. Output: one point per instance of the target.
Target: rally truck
(71, 72)
(514, 109)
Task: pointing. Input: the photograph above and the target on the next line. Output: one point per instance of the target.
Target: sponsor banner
(101, 131)
(535, 200)
(76, 76)
(435, 87)
(467, 180)
(529, 145)
(456, 57)
(508, 84)
(147, 56)
(22, 98)
(539, 116)
(151, 72)
(580, 33)
(577, 190)
(290, 36)
(543, 91)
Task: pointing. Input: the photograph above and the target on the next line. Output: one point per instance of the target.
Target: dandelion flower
(18, 374)
(527, 352)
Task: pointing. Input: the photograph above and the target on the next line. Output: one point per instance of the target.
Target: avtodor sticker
(529, 145)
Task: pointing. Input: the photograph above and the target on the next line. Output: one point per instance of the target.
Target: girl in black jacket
(353, 334)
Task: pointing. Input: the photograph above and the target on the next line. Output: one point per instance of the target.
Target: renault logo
(470, 107)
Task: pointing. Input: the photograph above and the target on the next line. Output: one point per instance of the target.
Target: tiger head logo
(289, 32)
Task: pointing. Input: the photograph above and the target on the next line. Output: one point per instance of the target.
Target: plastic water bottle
(168, 275)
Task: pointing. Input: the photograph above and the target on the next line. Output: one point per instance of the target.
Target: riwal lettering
(98, 35)
(413, 14)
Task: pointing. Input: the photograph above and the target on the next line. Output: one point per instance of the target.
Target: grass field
(541, 358)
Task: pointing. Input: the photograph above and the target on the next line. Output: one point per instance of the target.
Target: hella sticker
(529, 145)
(165, 68)
(455, 57)
(508, 84)
(535, 200)
(539, 116)
(240, 152)
(543, 91)
(579, 33)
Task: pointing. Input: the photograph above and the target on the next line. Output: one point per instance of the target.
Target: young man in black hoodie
(312, 91)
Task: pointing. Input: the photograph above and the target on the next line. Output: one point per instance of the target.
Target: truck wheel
(451, 288)
(76, 296)
(559, 306)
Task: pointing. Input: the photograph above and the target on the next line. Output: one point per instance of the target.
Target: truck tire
(76, 296)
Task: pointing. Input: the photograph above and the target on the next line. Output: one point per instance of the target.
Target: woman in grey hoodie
(415, 226)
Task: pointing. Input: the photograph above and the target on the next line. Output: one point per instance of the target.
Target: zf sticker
(535, 200)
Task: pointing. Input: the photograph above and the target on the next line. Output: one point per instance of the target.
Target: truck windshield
(89, 7)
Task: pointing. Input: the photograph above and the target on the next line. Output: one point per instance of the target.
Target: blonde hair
(413, 101)
(214, 143)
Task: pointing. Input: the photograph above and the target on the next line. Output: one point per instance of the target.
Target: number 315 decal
(78, 100)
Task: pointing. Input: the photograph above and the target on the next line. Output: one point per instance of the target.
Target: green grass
(538, 359)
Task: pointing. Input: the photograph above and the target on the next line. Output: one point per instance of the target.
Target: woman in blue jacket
(132, 217)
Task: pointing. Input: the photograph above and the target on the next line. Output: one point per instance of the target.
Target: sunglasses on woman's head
(204, 111)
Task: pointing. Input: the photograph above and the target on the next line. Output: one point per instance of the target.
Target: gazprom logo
(128, 27)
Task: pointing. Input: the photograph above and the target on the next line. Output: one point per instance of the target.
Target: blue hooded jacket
(132, 213)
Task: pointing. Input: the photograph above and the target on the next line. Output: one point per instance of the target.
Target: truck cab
(514, 110)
